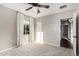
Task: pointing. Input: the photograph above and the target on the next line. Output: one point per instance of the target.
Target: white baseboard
(53, 44)
(7, 49)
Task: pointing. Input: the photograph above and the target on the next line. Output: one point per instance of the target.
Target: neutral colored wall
(51, 27)
(7, 28)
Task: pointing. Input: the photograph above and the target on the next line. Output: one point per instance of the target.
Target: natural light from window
(39, 37)
(39, 33)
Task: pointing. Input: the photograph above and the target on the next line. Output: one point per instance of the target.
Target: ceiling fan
(38, 6)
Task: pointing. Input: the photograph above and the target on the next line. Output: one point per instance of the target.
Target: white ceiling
(54, 8)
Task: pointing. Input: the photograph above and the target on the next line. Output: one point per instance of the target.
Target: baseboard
(7, 49)
(52, 44)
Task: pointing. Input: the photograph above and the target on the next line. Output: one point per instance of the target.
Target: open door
(76, 33)
(66, 40)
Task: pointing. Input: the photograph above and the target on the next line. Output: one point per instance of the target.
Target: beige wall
(7, 28)
(51, 27)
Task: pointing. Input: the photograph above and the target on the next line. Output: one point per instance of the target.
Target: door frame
(20, 28)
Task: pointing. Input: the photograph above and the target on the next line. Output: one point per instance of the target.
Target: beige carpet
(38, 50)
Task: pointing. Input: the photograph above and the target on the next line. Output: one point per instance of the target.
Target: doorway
(23, 29)
(65, 34)
(26, 30)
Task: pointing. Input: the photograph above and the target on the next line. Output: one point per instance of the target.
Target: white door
(75, 32)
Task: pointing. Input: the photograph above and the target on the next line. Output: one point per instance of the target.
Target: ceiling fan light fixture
(38, 11)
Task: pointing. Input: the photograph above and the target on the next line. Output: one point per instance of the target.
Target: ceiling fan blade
(33, 4)
(44, 6)
(38, 5)
(29, 8)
